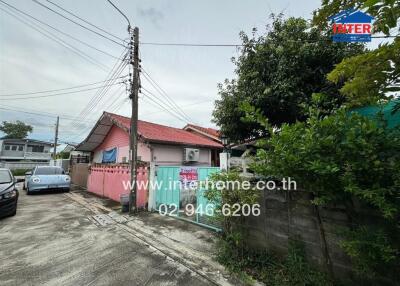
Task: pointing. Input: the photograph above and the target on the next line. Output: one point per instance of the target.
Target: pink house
(108, 142)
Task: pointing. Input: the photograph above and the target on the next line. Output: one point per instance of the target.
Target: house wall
(171, 155)
(117, 137)
(163, 154)
(24, 151)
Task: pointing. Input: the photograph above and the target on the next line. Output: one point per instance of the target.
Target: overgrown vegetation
(346, 158)
(233, 250)
(271, 269)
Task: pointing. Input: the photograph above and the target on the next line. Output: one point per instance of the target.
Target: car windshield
(49, 171)
(5, 177)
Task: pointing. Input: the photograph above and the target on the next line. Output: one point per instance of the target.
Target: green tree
(277, 73)
(15, 130)
(374, 75)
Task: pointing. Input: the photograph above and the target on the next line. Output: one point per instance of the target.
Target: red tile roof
(164, 134)
(210, 131)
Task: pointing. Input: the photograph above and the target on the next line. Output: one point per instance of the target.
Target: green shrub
(342, 158)
(19, 172)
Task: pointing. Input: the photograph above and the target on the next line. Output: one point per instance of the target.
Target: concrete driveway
(54, 241)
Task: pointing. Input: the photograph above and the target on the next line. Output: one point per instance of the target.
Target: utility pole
(134, 94)
(55, 139)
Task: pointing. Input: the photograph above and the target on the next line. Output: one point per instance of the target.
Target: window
(36, 148)
(49, 171)
(20, 148)
(14, 148)
(7, 147)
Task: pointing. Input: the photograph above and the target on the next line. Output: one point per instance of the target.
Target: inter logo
(351, 26)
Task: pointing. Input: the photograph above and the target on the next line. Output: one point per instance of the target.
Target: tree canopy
(278, 73)
(15, 130)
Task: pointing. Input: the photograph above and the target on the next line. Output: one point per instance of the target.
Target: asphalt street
(54, 241)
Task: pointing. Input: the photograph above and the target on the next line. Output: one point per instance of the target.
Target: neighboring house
(71, 149)
(163, 145)
(210, 133)
(24, 153)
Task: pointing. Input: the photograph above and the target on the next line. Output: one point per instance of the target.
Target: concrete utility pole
(56, 139)
(134, 94)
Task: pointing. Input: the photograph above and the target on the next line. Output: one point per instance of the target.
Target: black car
(8, 193)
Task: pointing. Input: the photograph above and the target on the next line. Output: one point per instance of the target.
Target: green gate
(174, 200)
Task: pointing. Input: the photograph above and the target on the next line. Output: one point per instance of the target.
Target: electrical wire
(37, 112)
(56, 94)
(60, 89)
(85, 21)
(69, 19)
(239, 45)
(152, 101)
(59, 31)
(163, 93)
(56, 39)
(119, 65)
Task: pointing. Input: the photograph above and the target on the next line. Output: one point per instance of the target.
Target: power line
(190, 45)
(55, 38)
(240, 45)
(60, 89)
(186, 105)
(32, 113)
(69, 19)
(163, 93)
(153, 101)
(85, 21)
(56, 94)
(61, 32)
(100, 93)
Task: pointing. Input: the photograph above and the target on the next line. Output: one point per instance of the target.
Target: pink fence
(108, 181)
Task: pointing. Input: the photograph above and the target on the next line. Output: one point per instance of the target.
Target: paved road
(53, 241)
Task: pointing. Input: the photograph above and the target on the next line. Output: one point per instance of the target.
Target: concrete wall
(290, 215)
(22, 165)
(62, 163)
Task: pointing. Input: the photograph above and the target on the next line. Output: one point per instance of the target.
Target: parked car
(46, 178)
(8, 193)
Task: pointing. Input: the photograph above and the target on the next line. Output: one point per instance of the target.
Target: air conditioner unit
(191, 155)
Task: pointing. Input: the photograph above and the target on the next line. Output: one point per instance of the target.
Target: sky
(31, 62)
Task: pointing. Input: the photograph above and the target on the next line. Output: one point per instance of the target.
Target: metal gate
(173, 199)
